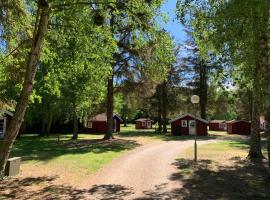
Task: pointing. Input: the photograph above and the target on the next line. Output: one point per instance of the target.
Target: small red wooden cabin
(217, 125)
(5, 119)
(143, 123)
(98, 123)
(240, 127)
(185, 125)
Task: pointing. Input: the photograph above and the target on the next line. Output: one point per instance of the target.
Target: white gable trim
(188, 115)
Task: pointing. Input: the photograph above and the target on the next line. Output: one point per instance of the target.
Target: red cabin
(240, 127)
(5, 119)
(217, 125)
(185, 125)
(98, 123)
(143, 123)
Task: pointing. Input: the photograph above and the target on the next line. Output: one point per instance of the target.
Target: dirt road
(144, 173)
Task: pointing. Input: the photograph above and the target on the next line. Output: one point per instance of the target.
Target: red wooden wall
(177, 129)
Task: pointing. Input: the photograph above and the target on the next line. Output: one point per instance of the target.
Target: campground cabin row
(185, 125)
(98, 123)
(5, 119)
(240, 127)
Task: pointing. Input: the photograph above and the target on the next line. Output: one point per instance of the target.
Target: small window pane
(184, 123)
(89, 124)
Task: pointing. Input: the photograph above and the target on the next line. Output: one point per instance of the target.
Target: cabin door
(148, 124)
(191, 127)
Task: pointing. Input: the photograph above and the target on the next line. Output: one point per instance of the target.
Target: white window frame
(89, 124)
(4, 125)
(184, 123)
(148, 123)
(143, 123)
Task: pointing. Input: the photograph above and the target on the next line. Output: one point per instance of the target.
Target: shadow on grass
(36, 148)
(44, 188)
(243, 180)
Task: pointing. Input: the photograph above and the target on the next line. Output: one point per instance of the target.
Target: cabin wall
(215, 127)
(241, 128)
(139, 125)
(101, 127)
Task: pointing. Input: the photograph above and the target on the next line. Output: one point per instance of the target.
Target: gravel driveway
(141, 173)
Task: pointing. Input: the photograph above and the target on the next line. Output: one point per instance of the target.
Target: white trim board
(188, 115)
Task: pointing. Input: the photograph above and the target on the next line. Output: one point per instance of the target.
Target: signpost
(195, 100)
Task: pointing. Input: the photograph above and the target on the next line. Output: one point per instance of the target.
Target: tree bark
(125, 121)
(203, 89)
(47, 121)
(255, 151)
(267, 132)
(159, 108)
(49, 124)
(164, 107)
(75, 126)
(109, 133)
(13, 128)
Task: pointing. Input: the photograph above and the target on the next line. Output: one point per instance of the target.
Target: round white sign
(195, 99)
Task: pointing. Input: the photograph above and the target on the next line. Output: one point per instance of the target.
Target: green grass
(82, 157)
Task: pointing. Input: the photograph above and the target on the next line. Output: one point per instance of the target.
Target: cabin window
(89, 124)
(143, 124)
(184, 123)
(2, 127)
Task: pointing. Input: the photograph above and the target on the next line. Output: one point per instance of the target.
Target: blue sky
(173, 26)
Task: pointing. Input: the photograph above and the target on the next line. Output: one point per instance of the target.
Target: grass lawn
(54, 168)
(222, 172)
(70, 160)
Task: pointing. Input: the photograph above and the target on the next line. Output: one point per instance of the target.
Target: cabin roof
(103, 117)
(188, 115)
(235, 121)
(5, 112)
(143, 119)
(217, 121)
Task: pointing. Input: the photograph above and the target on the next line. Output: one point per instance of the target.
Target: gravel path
(141, 172)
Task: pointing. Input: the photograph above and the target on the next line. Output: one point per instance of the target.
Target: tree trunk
(203, 89)
(109, 133)
(48, 124)
(125, 121)
(255, 151)
(75, 126)
(267, 132)
(13, 129)
(164, 107)
(159, 108)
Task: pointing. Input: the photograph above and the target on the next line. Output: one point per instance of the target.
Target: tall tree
(39, 32)
(137, 46)
(237, 29)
